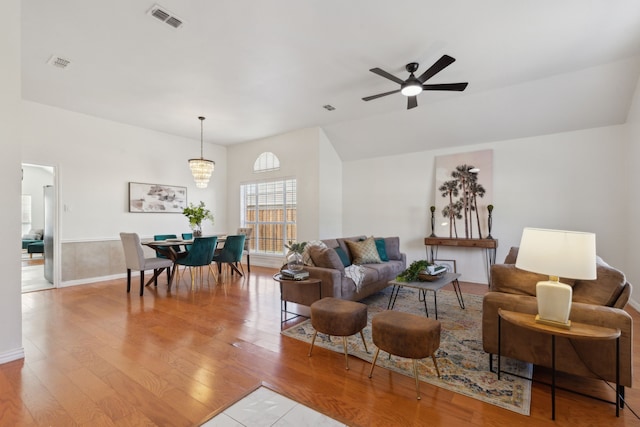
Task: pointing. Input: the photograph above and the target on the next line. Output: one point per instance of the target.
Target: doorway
(38, 227)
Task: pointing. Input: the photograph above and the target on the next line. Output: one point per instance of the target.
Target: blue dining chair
(231, 254)
(200, 255)
(176, 248)
(187, 236)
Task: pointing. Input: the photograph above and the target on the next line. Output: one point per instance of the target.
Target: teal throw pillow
(343, 256)
(382, 249)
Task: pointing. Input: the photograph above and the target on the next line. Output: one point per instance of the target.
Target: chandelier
(201, 168)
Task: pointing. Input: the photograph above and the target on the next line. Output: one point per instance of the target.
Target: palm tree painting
(464, 185)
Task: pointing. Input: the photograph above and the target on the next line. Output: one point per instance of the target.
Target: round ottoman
(342, 318)
(406, 335)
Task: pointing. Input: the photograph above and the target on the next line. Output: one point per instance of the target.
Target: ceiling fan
(414, 85)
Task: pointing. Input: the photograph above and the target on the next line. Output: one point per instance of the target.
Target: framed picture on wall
(156, 198)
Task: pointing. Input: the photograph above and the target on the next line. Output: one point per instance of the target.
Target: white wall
(97, 158)
(632, 267)
(330, 196)
(10, 175)
(298, 154)
(567, 181)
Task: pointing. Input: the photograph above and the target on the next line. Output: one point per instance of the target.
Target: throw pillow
(343, 256)
(382, 249)
(325, 257)
(306, 258)
(364, 252)
(30, 237)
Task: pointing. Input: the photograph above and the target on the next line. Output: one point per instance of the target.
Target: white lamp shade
(568, 254)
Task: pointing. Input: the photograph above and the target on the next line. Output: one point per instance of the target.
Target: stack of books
(294, 275)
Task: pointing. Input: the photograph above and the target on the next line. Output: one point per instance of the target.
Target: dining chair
(187, 236)
(248, 232)
(160, 237)
(231, 253)
(135, 260)
(200, 255)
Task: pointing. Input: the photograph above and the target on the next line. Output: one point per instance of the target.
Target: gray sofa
(328, 265)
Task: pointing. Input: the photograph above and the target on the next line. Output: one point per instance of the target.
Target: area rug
(464, 366)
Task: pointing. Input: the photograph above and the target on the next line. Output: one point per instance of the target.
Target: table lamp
(557, 253)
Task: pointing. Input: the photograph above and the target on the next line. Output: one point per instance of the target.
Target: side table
(302, 292)
(580, 331)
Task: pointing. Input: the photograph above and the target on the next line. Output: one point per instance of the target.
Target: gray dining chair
(248, 232)
(135, 260)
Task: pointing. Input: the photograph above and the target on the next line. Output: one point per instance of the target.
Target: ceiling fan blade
(446, 86)
(439, 65)
(369, 98)
(386, 75)
(412, 102)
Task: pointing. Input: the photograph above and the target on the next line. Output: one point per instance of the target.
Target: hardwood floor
(97, 356)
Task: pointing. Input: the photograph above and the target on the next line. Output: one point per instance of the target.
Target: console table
(489, 245)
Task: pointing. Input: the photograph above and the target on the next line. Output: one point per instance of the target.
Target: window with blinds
(269, 207)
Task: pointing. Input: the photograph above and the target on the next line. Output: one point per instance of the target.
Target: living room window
(269, 207)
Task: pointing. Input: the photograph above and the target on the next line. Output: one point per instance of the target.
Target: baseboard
(11, 355)
(90, 280)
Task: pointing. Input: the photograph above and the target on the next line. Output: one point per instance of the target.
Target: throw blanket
(355, 273)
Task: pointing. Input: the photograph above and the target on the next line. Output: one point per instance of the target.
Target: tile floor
(265, 407)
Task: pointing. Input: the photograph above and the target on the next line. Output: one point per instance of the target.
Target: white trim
(11, 355)
(90, 280)
(634, 304)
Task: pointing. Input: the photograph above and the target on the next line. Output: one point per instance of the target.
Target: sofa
(350, 268)
(34, 235)
(597, 302)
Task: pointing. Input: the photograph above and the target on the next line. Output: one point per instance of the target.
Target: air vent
(165, 16)
(59, 62)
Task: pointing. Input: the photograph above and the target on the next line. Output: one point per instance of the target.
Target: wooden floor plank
(98, 356)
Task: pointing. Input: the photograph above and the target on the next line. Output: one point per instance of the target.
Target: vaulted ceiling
(261, 68)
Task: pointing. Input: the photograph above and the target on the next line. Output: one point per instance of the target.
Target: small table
(298, 292)
(580, 331)
(423, 287)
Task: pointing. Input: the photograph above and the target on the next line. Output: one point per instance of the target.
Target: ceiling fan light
(411, 89)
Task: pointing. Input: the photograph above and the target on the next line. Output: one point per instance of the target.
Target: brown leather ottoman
(342, 318)
(406, 335)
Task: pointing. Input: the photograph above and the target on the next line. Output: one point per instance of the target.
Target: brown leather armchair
(598, 302)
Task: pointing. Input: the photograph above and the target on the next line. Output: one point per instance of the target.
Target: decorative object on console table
(557, 253)
(433, 221)
(195, 215)
(490, 220)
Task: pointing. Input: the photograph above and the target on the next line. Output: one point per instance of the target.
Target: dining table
(168, 249)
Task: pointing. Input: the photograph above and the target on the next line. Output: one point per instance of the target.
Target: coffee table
(423, 287)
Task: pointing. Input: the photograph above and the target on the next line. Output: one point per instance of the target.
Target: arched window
(266, 162)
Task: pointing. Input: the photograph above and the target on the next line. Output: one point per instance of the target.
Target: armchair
(598, 302)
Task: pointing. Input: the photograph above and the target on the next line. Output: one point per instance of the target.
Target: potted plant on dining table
(196, 215)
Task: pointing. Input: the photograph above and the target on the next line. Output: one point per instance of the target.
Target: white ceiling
(260, 68)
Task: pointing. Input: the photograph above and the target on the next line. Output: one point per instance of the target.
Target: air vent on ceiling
(165, 16)
(59, 62)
